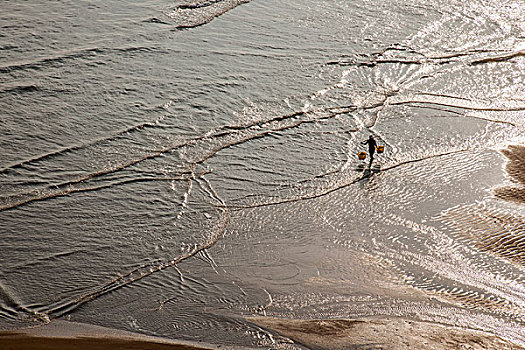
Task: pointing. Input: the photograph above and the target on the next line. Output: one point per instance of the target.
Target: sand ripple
(516, 170)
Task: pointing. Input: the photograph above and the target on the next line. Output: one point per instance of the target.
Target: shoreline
(322, 334)
(515, 169)
(63, 335)
(386, 333)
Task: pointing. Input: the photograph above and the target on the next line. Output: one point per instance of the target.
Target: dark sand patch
(516, 170)
(62, 335)
(388, 334)
(493, 229)
(490, 229)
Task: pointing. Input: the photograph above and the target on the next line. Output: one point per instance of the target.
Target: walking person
(372, 144)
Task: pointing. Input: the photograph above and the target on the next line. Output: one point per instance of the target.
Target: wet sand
(335, 334)
(516, 170)
(62, 335)
(385, 333)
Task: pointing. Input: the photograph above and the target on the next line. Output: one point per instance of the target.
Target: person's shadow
(368, 170)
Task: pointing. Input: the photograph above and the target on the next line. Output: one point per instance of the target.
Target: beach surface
(516, 171)
(333, 334)
(385, 333)
(173, 169)
(59, 335)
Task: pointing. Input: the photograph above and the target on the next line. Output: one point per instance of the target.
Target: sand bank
(62, 335)
(516, 169)
(391, 334)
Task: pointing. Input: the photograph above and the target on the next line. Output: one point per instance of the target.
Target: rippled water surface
(172, 168)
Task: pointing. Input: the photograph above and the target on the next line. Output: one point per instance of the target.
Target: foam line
(38, 63)
(473, 108)
(499, 58)
(70, 190)
(64, 150)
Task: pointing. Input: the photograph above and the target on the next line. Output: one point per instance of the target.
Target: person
(372, 144)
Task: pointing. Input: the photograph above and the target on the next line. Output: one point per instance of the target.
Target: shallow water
(171, 168)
